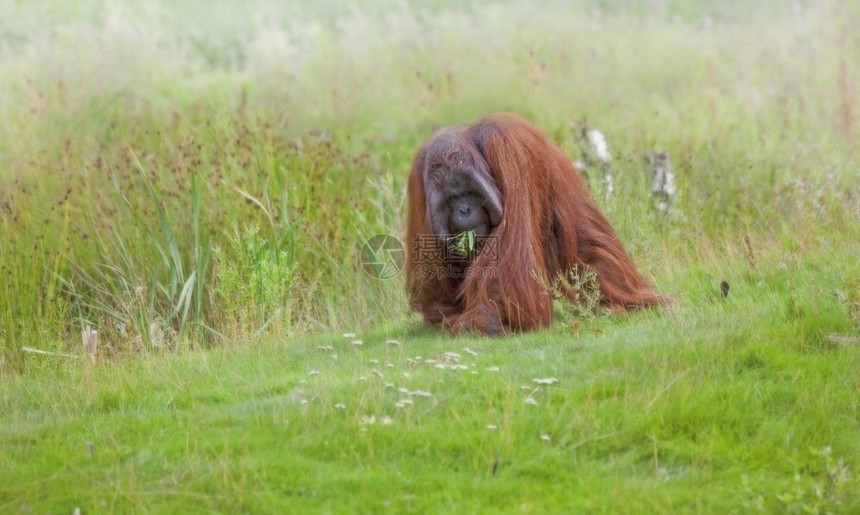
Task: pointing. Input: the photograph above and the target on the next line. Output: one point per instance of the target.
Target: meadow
(194, 181)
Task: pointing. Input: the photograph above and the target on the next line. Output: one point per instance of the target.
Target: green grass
(195, 183)
(704, 407)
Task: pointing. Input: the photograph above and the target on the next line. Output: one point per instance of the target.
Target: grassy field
(195, 181)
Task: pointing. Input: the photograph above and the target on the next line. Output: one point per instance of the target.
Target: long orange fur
(551, 224)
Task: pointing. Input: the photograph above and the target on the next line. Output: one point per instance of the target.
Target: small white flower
(386, 420)
(469, 351)
(374, 361)
(414, 393)
(389, 365)
(325, 347)
(430, 361)
(340, 405)
(334, 357)
(531, 400)
(452, 356)
(492, 427)
(304, 402)
(392, 342)
(314, 373)
(545, 437)
(357, 343)
(349, 335)
(377, 373)
(389, 385)
(492, 369)
(545, 380)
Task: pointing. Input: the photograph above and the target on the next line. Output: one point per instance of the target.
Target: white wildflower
(349, 335)
(340, 405)
(314, 373)
(545, 380)
(454, 366)
(531, 400)
(492, 427)
(491, 369)
(414, 393)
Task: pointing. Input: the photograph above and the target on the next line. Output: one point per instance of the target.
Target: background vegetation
(194, 181)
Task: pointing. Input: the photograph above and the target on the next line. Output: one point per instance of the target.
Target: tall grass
(173, 175)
